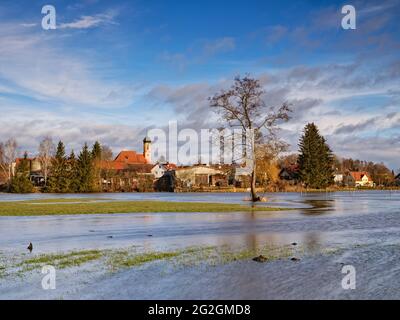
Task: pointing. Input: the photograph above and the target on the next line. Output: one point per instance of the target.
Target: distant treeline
(62, 173)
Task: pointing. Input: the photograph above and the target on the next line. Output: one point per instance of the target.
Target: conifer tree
(73, 183)
(58, 181)
(96, 158)
(21, 183)
(85, 171)
(96, 151)
(315, 160)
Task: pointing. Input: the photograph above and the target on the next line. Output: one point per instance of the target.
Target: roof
(358, 175)
(147, 139)
(130, 157)
(124, 160)
(112, 165)
(398, 176)
(118, 165)
(18, 160)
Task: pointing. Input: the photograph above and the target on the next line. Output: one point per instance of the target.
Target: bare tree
(46, 153)
(8, 155)
(242, 106)
(106, 153)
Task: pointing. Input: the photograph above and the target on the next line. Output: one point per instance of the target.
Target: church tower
(147, 149)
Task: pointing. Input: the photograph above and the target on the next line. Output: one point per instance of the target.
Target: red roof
(123, 160)
(130, 157)
(358, 175)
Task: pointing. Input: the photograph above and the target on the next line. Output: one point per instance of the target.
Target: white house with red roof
(360, 179)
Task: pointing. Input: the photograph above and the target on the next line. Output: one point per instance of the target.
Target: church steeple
(147, 149)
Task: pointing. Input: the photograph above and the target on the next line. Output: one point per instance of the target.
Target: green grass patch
(61, 260)
(66, 200)
(54, 207)
(125, 260)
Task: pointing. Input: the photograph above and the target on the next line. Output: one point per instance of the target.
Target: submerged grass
(130, 257)
(61, 260)
(125, 260)
(54, 207)
(117, 259)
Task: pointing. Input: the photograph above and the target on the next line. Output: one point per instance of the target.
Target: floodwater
(363, 226)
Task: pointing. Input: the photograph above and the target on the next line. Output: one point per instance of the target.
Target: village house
(242, 178)
(35, 170)
(359, 179)
(290, 174)
(338, 178)
(129, 171)
(201, 176)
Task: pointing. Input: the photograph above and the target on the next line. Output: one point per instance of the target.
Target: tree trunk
(254, 196)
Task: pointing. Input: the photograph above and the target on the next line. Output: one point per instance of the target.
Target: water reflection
(322, 219)
(317, 207)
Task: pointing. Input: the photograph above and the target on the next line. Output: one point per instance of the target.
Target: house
(243, 176)
(129, 171)
(34, 165)
(133, 177)
(159, 169)
(290, 173)
(338, 178)
(359, 179)
(35, 170)
(201, 176)
(128, 158)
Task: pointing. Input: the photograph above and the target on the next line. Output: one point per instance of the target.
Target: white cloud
(86, 22)
(219, 45)
(34, 64)
(29, 25)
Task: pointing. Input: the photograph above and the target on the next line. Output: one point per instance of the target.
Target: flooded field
(323, 233)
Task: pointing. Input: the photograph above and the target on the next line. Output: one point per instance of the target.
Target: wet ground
(361, 229)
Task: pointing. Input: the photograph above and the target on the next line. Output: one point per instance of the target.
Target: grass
(123, 259)
(67, 200)
(210, 255)
(76, 206)
(130, 257)
(61, 260)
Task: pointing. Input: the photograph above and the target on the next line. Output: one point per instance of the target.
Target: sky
(111, 70)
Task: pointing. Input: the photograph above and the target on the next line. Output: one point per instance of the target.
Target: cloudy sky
(113, 69)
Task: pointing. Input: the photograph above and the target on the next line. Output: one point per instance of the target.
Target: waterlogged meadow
(281, 254)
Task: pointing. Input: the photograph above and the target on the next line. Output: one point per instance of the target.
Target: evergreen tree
(58, 181)
(21, 183)
(315, 160)
(72, 173)
(85, 170)
(97, 151)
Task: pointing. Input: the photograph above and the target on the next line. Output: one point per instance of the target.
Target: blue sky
(113, 69)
